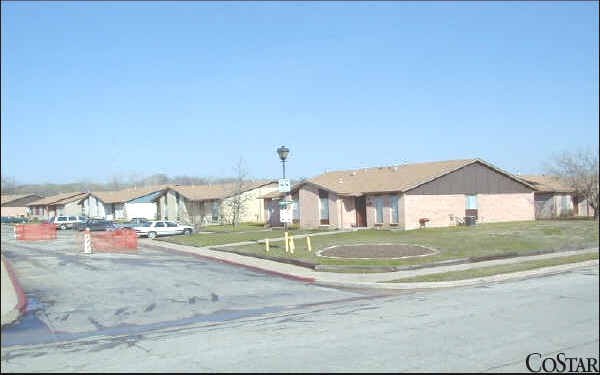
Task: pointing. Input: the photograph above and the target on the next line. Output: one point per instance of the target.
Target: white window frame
(469, 198)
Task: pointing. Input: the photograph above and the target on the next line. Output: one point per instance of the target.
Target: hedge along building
(555, 198)
(400, 196)
(122, 204)
(16, 204)
(60, 204)
(204, 204)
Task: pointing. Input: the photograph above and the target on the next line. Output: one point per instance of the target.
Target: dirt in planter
(376, 251)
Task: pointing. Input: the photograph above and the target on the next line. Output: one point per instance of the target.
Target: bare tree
(234, 205)
(116, 183)
(580, 170)
(9, 185)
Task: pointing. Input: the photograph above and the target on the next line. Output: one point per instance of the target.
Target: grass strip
(496, 270)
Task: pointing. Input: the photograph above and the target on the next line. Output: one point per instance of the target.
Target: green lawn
(224, 237)
(452, 242)
(495, 270)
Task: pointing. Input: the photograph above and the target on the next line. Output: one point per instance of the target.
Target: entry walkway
(376, 280)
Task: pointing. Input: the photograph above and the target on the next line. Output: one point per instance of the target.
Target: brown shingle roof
(61, 198)
(543, 183)
(397, 178)
(124, 195)
(5, 198)
(220, 191)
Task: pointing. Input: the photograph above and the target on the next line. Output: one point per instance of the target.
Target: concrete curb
(19, 309)
(544, 271)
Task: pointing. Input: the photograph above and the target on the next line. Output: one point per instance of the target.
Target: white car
(152, 229)
(66, 222)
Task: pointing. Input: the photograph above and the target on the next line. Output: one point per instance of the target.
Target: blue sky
(94, 90)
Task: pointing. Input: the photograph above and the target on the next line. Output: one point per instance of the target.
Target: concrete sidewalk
(375, 280)
(13, 301)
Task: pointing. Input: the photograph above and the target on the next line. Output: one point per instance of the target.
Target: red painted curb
(22, 299)
(281, 274)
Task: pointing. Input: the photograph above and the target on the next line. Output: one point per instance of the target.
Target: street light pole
(283, 153)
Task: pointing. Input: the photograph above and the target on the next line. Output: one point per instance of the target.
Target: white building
(122, 204)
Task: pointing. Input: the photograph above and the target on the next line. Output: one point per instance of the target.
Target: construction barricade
(35, 232)
(120, 240)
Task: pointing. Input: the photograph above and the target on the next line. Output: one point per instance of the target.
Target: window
(395, 214)
(324, 203)
(296, 211)
(171, 224)
(379, 210)
(72, 218)
(160, 224)
(471, 202)
(62, 218)
(215, 211)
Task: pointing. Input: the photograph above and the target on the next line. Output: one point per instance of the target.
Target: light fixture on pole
(283, 153)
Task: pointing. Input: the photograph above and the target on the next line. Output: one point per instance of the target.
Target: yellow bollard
(292, 246)
(308, 244)
(286, 242)
(267, 244)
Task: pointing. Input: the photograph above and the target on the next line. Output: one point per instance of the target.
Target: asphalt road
(259, 322)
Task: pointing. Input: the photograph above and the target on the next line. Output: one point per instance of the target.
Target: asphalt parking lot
(73, 295)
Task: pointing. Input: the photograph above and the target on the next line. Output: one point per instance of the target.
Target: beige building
(59, 204)
(15, 205)
(409, 196)
(206, 204)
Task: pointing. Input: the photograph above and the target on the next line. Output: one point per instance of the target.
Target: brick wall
(309, 206)
(436, 208)
(348, 212)
(505, 207)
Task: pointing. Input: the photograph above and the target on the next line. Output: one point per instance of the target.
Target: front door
(361, 212)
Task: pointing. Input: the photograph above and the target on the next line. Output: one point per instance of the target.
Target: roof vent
(340, 181)
(353, 173)
(395, 168)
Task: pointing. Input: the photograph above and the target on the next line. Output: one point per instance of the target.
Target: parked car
(14, 219)
(135, 222)
(66, 222)
(96, 225)
(152, 229)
